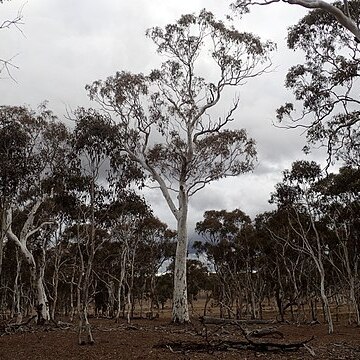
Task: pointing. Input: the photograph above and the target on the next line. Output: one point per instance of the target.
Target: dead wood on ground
(227, 340)
(218, 321)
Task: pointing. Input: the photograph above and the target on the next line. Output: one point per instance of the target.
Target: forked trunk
(84, 327)
(37, 277)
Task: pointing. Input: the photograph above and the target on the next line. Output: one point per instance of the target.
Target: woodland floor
(159, 339)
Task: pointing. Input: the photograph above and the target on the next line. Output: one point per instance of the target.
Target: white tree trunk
(354, 304)
(42, 299)
(37, 276)
(2, 236)
(180, 312)
(36, 270)
(324, 298)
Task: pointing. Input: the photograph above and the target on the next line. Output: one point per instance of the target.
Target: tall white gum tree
(165, 124)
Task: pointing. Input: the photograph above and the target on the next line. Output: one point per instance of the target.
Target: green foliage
(326, 84)
(173, 101)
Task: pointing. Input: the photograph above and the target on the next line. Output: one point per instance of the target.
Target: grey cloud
(68, 44)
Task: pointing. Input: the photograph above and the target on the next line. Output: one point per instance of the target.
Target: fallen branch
(218, 321)
(259, 333)
(27, 322)
(248, 344)
(186, 347)
(272, 346)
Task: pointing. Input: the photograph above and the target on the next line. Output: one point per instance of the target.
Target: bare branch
(6, 64)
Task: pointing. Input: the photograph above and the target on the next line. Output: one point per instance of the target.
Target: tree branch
(342, 17)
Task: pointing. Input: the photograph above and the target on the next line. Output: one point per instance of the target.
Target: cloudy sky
(66, 44)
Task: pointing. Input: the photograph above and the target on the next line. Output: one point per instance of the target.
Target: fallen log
(259, 333)
(272, 346)
(252, 341)
(189, 347)
(221, 321)
(27, 322)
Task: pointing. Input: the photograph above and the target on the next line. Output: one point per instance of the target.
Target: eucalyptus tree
(228, 249)
(13, 151)
(129, 212)
(341, 207)
(287, 270)
(32, 147)
(91, 141)
(157, 247)
(165, 122)
(326, 84)
(306, 231)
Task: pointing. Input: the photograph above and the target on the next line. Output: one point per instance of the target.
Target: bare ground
(159, 339)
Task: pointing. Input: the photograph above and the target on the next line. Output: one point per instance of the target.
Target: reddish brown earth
(157, 339)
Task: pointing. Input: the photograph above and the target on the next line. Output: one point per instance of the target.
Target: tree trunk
(82, 302)
(152, 293)
(37, 279)
(354, 305)
(326, 303)
(84, 326)
(111, 296)
(72, 307)
(2, 236)
(123, 258)
(36, 270)
(180, 311)
(280, 306)
(56, 287)
(41, 297)
(16, 308)
(119, 302)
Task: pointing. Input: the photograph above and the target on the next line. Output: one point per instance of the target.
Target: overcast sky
(67, 44)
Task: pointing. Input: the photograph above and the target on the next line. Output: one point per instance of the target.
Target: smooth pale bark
(55, 295)
(111, 296)
(351, 274)
(354, 304)
(86, 269)
(82, 300)
(36, 272)
(41, 296)
(83, 294)
(16, 310)
(180, 311)
(320, 265)
(316, 254)
(2, 236)
(55, 283)
(120, 283)
(324, 299)
(341, 17)
(72, 283)
(344, 19)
